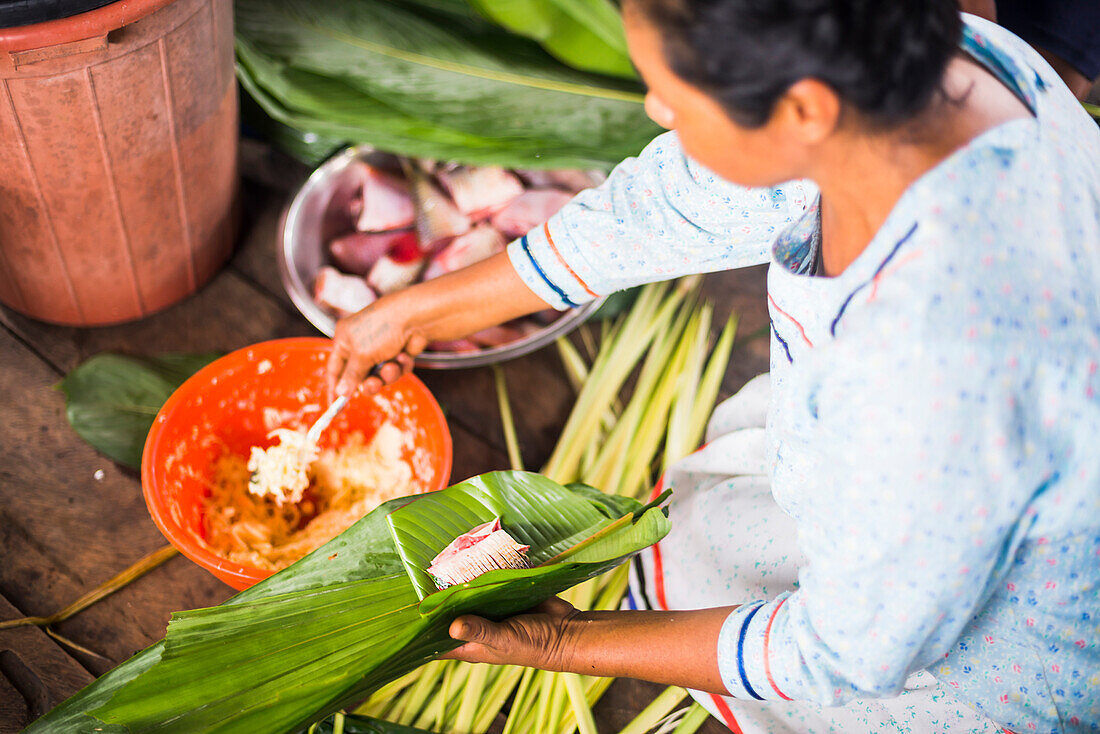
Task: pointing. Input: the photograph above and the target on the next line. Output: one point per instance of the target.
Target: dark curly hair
(884, 58)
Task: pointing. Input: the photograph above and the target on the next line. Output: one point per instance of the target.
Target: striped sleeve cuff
(747, 652)
(540, 265)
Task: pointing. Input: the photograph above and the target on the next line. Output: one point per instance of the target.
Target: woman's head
(878, 63)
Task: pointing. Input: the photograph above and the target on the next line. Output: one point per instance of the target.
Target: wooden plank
(63, 532)
(35, 673)
(223, 316)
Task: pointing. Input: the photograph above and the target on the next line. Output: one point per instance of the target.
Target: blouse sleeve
(658, 216)
(927, 464)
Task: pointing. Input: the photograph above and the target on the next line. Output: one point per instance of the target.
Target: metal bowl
(301, 254)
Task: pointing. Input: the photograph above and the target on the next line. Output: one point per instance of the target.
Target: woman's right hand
(377, 335)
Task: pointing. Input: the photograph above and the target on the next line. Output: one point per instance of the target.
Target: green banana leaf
(348, 618)
(112, 399)
(329, 109)
(586, 34)
(409, 76)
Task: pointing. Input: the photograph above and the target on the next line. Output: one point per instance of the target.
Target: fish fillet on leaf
(358, 612)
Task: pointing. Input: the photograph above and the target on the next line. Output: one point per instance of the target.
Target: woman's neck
(862, 175)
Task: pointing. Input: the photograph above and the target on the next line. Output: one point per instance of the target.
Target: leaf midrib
(466, 69)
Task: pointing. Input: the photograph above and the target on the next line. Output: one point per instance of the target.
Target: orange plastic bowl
(232, 404)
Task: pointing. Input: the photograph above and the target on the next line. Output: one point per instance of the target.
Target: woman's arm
(674, 648)
(658, 216)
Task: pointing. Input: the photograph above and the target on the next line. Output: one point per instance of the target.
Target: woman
(932, 404)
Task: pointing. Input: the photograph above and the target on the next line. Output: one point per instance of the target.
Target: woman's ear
(659, 112)
(809, 111)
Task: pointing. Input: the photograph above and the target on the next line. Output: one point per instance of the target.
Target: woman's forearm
(468, 300)
(674, 648)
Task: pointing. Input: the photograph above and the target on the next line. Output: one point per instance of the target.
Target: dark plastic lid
(25, 12)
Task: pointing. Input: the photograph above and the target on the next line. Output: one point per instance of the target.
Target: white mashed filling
(282, 470)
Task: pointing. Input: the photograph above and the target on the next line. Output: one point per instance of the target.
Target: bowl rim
(298, 291)
(152, 471)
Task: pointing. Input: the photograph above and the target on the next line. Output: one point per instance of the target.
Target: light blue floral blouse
(935, 418)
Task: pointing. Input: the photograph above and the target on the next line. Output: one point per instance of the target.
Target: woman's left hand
(538, 639)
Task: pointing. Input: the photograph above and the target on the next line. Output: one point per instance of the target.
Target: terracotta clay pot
(118, 159)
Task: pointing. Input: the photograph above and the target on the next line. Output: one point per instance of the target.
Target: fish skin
(387, 202)
(438, 220)
(478, 192)
(342, 294)
(479, 243)
(357, 252)
(529, 210)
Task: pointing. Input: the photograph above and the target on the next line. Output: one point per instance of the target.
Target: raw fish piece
(474, 246)
(496, 336)
(345, 204)
(437, 218)
(479, 192)
(342, 294)
(545, 317)
(358, 252)
(571, 179)
(486, 548)
(395, 271)
(387, 202)
(529, 211)
(455, 345)
(575, 179)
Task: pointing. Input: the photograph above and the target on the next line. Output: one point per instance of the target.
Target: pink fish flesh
(476, 245)
(392, 273)
(529, 211)
(342, 294)
(546, 317)
(486, 548)
(457, 346)
(387, 202)
(479, 192)
(572, 179)
(438, 220)
(358, 252)
(496, 336)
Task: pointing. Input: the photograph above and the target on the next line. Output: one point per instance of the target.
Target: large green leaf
(406, 70)
(347, 618)
(112, 399)
(327, 108)
(586, 34)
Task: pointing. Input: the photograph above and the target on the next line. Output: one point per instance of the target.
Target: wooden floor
(63, 531)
